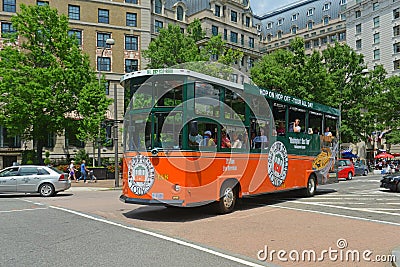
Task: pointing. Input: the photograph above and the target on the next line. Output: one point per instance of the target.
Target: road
(97, 229)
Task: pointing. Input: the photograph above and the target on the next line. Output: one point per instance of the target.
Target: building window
(310, 12)
(358, 44)
(131, 65)
(234, 37)
(247, 23)
(326, 20)
(9, 6)
(376, 22)
(251, 42)
(225, 34)
(233, 16)
(77, 34)
(131, 1)
(107, 87)
(217, 11)
(310, 25)
(324, 40)
(294, 17)
(131, 42)
(269, 25)
(101, 39)
(396, 13)
(214, 30)
(358, 14)
(131, 19)
(396, 48)
(396, 31)
(103, 63)
(326, 6)
(269, 37)
(157, 7)
(179, 13)
(280, 22)
(71, 139)
(333, 38)
(42, 3)
(358, 28)
(6, 28)
(375, 6)
(316, 42)
(279, 34)
(51, 140)
(242, 39)
(342, 36)
(294, 29)
(342, 2)
(377, 54)
(158, 25)
(74, 12)
(342, 16)
(396, 64)
(103, 16)
(376, 38)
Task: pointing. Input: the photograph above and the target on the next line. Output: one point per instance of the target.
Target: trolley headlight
(177, 187)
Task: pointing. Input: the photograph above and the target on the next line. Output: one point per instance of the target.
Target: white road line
(344, 208)
(167, 238)
(10, 211)
(337, 215)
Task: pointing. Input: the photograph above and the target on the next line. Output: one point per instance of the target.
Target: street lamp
(109, 42)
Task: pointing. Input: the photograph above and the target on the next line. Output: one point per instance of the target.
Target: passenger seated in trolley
(260, 141)
(207, 140)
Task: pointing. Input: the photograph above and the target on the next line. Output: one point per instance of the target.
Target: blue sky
(260, 7)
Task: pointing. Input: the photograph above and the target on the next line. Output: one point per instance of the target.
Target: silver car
(47, 181)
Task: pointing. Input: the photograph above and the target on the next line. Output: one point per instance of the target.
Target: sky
(260, 7)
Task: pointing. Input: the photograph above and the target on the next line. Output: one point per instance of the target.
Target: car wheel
(227, 202)
(46, 190)
(309, 191)
(349, 176)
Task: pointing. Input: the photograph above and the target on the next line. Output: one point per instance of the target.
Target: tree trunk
(39, 151)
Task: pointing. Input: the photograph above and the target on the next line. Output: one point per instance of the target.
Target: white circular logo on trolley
(140, 175)
(277, 163)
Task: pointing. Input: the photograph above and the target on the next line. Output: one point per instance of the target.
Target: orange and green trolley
(192, 139)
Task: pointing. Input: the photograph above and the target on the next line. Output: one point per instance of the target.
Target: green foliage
(81, 155)
(172, 47)
(46, 80)
(28, 157)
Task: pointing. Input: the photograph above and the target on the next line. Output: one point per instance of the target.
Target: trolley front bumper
(161, 202)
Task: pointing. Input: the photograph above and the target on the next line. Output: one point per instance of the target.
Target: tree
(47, 83)
(334, 77)
(172, 47)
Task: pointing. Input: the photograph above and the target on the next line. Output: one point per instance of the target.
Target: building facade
(371, 27)
(318, 22)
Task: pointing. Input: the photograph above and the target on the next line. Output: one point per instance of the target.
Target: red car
(345, 169)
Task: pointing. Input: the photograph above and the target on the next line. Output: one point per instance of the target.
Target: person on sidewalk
(84, 172)
(72, 171)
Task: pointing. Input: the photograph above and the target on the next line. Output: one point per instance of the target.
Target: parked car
(47, 181)
(391, 182)
(360, 169)
(345, 169)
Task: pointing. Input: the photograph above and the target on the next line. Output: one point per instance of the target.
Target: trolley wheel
(228, 199)
(309, 191)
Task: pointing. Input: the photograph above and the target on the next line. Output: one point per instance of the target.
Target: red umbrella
(384, 156)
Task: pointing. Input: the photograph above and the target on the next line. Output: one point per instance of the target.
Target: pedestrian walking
(92, 177)
(71, 171)
(84, 172)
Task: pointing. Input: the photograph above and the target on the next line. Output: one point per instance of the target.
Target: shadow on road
(179, 214)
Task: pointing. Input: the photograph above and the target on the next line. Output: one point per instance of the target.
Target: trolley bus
(191, 139)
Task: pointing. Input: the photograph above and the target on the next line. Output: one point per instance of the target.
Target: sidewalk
(92, 186)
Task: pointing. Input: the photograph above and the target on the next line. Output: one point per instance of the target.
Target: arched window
(158, 7)
(294, 29)
(310, 25)
(179, 13)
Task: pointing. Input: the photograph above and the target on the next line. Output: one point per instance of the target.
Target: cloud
(260, 7)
